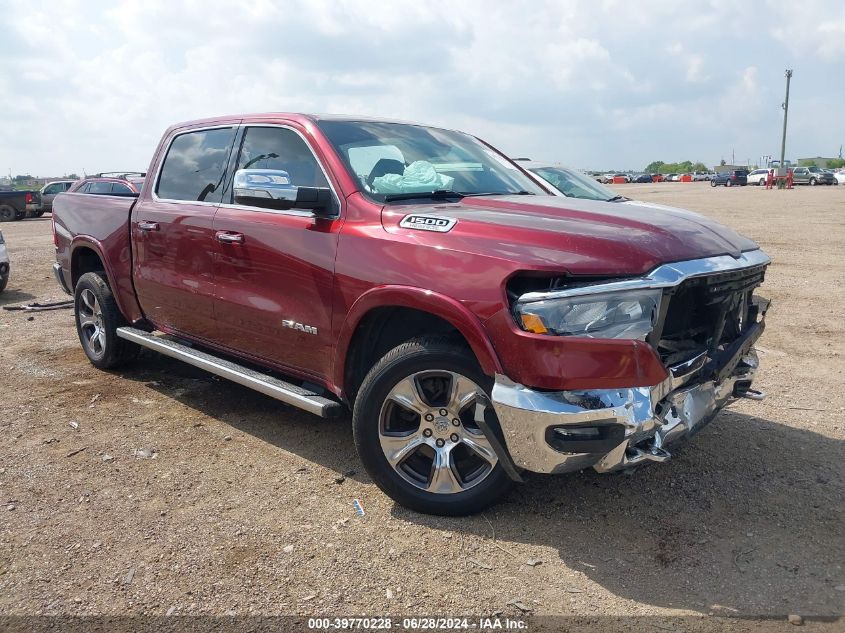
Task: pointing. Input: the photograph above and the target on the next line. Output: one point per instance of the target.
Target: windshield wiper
(618, 199)
(439, 194)
(444, 194)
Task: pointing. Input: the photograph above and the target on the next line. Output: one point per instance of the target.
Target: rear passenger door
(274, 269)
(172, 232)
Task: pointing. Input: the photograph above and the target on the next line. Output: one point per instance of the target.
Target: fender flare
(84, 241)
(447, 308)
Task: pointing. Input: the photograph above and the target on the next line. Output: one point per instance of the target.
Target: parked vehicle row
(476, 326)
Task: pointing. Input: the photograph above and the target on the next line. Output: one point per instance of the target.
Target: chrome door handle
(148, 226)
(230, 238)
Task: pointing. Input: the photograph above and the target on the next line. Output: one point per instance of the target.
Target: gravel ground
(161, 490)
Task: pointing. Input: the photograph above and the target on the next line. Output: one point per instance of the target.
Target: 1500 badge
(436, 223)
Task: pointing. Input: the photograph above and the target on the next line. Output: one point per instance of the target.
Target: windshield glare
(574, 184)
(397, 158)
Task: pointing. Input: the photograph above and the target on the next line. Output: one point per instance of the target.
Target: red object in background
(789, 179)
(28, 197)
(686, 178)
(770, 176)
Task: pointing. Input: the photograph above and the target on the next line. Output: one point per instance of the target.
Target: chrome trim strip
(664, 276)
(236, 126)
(268, 385)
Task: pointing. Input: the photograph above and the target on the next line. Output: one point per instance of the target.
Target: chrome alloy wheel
(429, 436)
(90, 317)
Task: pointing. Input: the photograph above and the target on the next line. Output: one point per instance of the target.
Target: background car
(811, 176)
(670, 177)
(14, 204)
(700, 176)
(111, 183)
(643, 178)
(732, 178)
(567, 182)
(840, 177)
(4, 263)
(48, 192)
(758, 177)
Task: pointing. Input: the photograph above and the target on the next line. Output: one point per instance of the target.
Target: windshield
(574, 184)
(398, 160)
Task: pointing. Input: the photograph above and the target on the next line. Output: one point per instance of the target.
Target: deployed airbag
(419, 177)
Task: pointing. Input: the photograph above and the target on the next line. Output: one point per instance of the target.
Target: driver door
(274, 269)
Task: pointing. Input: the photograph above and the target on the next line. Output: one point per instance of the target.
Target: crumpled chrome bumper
(547, 432)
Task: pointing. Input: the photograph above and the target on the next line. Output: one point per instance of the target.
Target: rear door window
(195, 166)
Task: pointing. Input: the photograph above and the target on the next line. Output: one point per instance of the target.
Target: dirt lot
(246, 506)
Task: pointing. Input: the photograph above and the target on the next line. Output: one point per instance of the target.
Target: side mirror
(272, 189)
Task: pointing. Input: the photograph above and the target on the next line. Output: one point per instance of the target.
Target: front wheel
(813, 182)
(415, 429)
(712, 183)
(97, 320)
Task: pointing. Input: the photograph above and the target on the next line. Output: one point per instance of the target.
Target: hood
(573, 235)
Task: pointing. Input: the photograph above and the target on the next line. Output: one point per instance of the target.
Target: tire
(728, 183)
(97, 319)
(813, 182)
(421, 373)
(761, 182)
(7, 213)
(4, 280)
(39, 214)
(712, 183)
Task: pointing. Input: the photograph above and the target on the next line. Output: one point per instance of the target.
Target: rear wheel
(97, 320)
(813, 182)
(7, 213)
(761, 182)
(415, 431)
(728, 183)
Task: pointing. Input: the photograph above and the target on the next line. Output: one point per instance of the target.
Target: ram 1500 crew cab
(476, 326)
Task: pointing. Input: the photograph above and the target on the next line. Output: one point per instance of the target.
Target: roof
(296, 117)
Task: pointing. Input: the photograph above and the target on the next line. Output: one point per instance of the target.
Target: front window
(573, 184)
(394, 161)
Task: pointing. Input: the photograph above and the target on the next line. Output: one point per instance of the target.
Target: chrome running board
(268, 385)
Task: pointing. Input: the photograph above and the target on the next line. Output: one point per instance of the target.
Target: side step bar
(268, 385)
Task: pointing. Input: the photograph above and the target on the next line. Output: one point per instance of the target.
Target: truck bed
(100, 224)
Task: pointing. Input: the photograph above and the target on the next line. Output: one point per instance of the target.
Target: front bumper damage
(615, 429)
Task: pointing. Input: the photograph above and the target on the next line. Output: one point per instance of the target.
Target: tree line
(687, 166)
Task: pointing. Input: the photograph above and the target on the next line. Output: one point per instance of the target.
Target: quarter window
(195, 166)
(283, 150)
(119, 188)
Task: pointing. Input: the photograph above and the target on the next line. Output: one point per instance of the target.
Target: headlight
(628, 314)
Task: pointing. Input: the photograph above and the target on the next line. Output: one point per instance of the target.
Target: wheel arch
(86, 255)
(390, 315)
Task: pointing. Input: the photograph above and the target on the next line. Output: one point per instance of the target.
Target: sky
(602, 84)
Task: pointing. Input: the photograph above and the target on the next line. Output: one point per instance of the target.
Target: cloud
(609, 84)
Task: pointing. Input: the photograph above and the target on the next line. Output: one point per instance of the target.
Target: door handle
(148, 226)
(230, 238)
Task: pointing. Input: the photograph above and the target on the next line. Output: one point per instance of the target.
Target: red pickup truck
(476, 326)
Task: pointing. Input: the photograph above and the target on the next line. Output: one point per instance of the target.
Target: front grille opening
(706, 313)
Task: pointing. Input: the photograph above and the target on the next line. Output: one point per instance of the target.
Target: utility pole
(785, 113)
